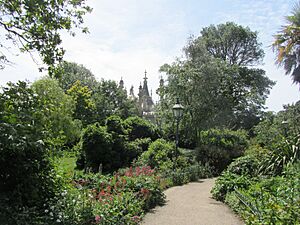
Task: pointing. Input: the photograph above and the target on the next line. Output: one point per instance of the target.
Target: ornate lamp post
(177, 112)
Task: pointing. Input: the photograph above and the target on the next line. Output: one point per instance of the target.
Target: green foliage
(110, 99)
(187, 174)
(235, 44)
(36, 25)
(274, 129)
(245, 165)
(72, 72)
(110, 145)
(214, 83)
(219, 147)
(159, 155)
(275, 200)
(123, 197)
(287, 152)
(56, 113)
(114, 124)
(26, 172)
(140, 128)
(227, 183)
(84, 104)
(263, 186)
(286, 44)
(97, 147)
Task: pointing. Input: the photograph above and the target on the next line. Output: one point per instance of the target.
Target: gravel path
(192, 204)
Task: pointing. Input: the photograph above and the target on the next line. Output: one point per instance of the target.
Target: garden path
(192, 204)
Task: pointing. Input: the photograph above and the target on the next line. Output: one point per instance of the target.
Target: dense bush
(110, 146)
(26, 171)
(273, 201)
(140, 128)
(159, 155)
(219, 147)
(56, 114)
(187, 174)
(97, 147)
(227, 183)
(245, 165)
(286, 152)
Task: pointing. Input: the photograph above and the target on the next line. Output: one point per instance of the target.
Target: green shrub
(115, 124)
(227, 183)
(219, 147)
(286, 152)
(245, 165)
(140, 128)
(26, 172)
(97, 147)
(159, 155)
(275, 200)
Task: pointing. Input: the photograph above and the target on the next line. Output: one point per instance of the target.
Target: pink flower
(135, 219)
(97, 219)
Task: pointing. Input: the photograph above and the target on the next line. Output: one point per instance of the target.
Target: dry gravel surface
(192, 204)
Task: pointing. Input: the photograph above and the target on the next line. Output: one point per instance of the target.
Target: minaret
(159, 90)
(140, 94)
(145, 86)
(121, 83)
(131, 92)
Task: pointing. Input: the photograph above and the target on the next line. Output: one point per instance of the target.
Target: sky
(128, 37)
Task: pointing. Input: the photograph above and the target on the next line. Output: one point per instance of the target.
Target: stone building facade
(143, 98)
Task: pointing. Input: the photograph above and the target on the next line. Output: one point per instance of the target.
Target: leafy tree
(216, 90)
(218, 148)
(56, 109)
(230, 42)
(287, 45)
(276, 128)
(26, 172)
(35, 25)
(71, 72)
(140, 128)
(97, 146)
(110, 99)
(84, 104)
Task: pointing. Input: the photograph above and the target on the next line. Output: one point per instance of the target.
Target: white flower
(51, 214)
(46, 210)
(64, 193)
(58, 220)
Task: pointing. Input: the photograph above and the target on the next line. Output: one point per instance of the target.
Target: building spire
(121, 83)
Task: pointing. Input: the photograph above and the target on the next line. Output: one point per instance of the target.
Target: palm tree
(287, 45)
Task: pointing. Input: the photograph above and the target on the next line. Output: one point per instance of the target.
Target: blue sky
(128, 36)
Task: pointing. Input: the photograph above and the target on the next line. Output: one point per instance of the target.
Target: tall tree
(287, 45)
(35, 25)
(84, 104)
(71, 72)
(110, 99)
(56, 110)
(217, 88)
(235, 44)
